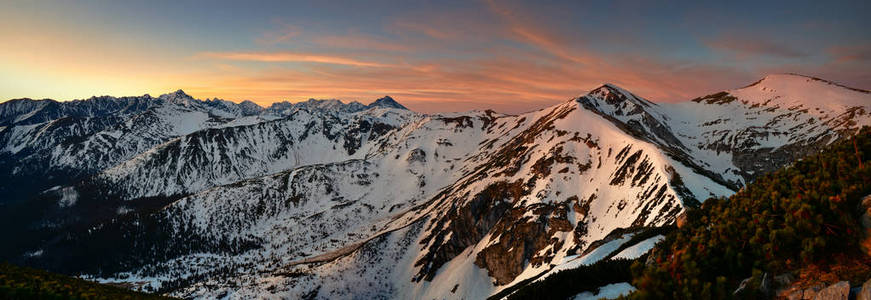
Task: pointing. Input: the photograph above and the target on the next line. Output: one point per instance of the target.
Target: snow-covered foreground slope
(505, 189)
(328, 199)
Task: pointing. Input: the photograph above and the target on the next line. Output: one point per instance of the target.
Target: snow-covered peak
(794, 89)
(387, 102)
(613, 94)
(786, 78)
(178, 97)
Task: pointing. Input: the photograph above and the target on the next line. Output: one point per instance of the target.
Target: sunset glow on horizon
(430, 56)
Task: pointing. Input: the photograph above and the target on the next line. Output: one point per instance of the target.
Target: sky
(432, 56)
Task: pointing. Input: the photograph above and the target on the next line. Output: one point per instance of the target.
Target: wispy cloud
(420, 65)
(530, 33)
(358, 41)
(752, 46)
(510, 56)
(283, 34)
(504, 83)
(437, 32)
(286, 56)
(851, 53)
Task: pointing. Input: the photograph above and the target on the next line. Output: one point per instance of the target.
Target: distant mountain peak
(249, 103)
(249, 108)
(387, 102)
(178, 96)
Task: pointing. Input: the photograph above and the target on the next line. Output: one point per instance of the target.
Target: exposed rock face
(681, 220)
(865, 293)
(519, 238)
(837, 291)
(416, 155)
(466, 225)
(805, 294)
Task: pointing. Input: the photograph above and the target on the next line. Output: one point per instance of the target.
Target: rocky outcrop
(681, 220)
(522, 237)
(465, 225)
(804, 294)
(838, 291)
(865, 293)
(865, 210)
(754, 161)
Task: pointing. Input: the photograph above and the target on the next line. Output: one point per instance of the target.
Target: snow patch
(69, 197)
(123, 210)
(611, 291)
(637, 250)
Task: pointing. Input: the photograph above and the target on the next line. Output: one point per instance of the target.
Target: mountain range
(326, 199)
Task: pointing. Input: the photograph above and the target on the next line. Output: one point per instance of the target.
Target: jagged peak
(178, 96)
(179, 93)
(612, 94)
(387, 102)
(285, 107)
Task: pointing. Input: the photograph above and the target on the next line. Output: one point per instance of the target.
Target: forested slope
(802, 221)
(26, 283)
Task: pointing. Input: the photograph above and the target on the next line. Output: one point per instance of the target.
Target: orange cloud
(509, 79)
(429, 62)
(289, 57)
(530, 33)
(504, 83)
